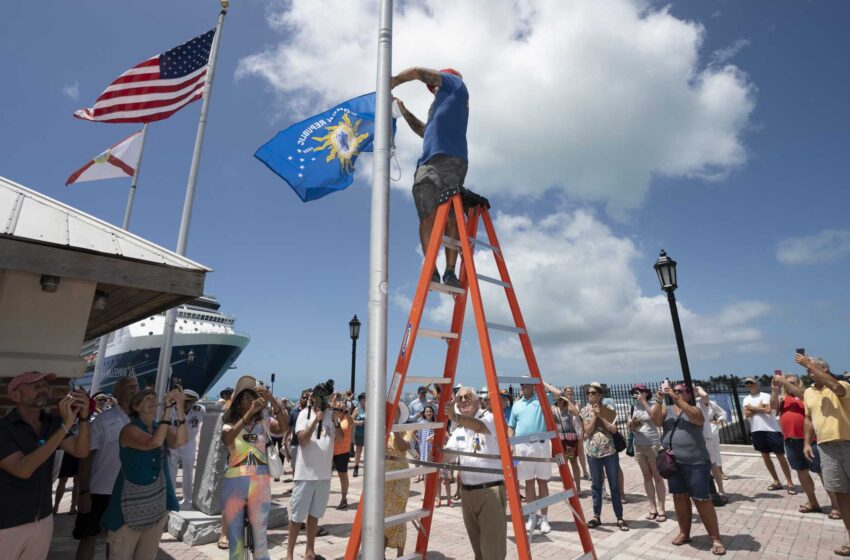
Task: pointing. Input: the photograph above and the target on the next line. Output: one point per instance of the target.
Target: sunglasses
(679, 392)
(250, 437)
(464, 397)
(593, 392)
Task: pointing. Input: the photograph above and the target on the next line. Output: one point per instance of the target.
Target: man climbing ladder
(468, 210)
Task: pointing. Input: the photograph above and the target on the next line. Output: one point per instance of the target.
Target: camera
(324, 392)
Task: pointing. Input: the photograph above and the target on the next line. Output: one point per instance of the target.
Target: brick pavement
(756, 524)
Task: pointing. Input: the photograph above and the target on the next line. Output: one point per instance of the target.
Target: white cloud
(72, 91)
(586, 97)
(586, 314)
(724, 55)
(824, 246)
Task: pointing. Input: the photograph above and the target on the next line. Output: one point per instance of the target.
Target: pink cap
(29, 377)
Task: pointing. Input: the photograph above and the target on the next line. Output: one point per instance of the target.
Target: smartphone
(665, 385)
(800, 351)
(71, 386)
(176, 383)
(777, 372)
(260, 383)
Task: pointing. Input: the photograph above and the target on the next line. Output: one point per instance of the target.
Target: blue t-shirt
(526, 417)
(445, 131)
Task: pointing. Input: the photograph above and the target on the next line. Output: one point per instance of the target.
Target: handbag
(630, 445)
(143, 505)
(665, 461)
(619, 442)
(273, 455)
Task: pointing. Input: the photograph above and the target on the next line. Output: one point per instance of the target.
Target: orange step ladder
(468, 209)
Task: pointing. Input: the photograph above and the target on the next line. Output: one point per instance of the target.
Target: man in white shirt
(315, 432)
(99, 470)
(185, 454)
(714, 416)
(766, 433)
(482, 494)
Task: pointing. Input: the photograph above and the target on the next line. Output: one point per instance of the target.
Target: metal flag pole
(163, 370)
(376, 354)
(97, 376)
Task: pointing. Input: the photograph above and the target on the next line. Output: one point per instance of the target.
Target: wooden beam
(40, 258)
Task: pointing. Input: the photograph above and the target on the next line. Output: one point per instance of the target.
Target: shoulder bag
(665, 461)
(273, 455)
(143, 505)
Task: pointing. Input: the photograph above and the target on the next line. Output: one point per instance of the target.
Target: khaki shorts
(835, 465)
(646, 453)
(436, 175)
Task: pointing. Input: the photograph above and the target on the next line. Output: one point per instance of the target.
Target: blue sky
(601, 131)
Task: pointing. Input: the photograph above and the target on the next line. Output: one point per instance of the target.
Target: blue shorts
(768, 442)
(693, 480)
(798, 461)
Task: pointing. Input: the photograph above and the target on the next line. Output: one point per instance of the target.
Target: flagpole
(129, 210)
(97, 376)
(376, 357)
(164, 367)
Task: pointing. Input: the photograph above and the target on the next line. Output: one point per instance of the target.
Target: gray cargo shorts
(436, 175)
(835, 465)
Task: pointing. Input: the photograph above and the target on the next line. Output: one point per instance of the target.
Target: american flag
(156, 88)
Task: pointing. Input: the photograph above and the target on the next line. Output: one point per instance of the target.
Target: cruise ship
(205, 346)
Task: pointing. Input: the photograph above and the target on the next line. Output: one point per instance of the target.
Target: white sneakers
(539, 522)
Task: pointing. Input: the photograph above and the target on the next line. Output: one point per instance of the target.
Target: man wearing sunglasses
(527, 418)
(483, 494)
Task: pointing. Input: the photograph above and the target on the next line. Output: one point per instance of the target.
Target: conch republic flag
(119, 160)
(316, 156)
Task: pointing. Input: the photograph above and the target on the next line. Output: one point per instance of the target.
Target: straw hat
(246, 382)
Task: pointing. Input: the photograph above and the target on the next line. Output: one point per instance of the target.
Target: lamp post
(354, 331)
(665, 267)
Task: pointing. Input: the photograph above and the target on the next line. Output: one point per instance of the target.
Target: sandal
(717, 548)
(791, 491)
(834, 515)
(809, 508)
(621, 523)
(342, 505)
(843, 550)
(594, 523)
(680, 540)
(322, 532)
(223, 543)
(652, 516)
(662, 517)
(775, 487)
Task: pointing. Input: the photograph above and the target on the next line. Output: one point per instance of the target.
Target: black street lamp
(354, 332)
(665, 267)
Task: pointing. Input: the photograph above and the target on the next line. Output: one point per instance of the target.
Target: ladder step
(405, 517)
(413, 380)
(508, 328)
(472, 241)
(584, 556)
(411, 556)
(493, 281)
(539, 436)
(519, 380)
(416, 426)
(408, 473)
(438, 287)
(537, 505)
(431, 333)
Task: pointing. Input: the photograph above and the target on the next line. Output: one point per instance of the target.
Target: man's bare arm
(425, 75)
(414, 123)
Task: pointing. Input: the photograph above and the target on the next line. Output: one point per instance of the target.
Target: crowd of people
(128, 451)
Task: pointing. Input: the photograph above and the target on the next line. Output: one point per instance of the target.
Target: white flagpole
(97, 376)
(376, 357)
(163, 372)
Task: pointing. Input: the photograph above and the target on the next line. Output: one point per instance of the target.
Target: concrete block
(196, 528)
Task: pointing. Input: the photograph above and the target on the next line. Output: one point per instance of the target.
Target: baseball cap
(192, 394)
(749, 380)
(596, 385)
(225, 391)
(422, 389)
(29, 377)
(639, 387)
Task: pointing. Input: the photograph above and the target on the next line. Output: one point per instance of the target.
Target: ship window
(143, 324)
(150, 333)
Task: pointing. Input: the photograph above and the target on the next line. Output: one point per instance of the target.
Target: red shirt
(792, 414)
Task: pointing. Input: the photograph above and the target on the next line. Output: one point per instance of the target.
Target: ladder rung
(416, 426)
(407, 473)
(493, 281)
(508, 328)
(539, 436)
(411, 556)
(472, 241)
(519, 380)
(431, 333)
(405, 517)
(537, 505)
(413, 380)
(438, 287)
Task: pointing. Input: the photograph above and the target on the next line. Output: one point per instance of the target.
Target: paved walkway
(756, 524)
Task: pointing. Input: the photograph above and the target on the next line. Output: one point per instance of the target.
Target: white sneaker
(529, 525)
(544, 526)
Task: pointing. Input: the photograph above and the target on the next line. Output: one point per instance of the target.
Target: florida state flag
(120, 160)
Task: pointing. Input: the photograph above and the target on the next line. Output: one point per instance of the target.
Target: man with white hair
(483, 494)
(185, 454)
